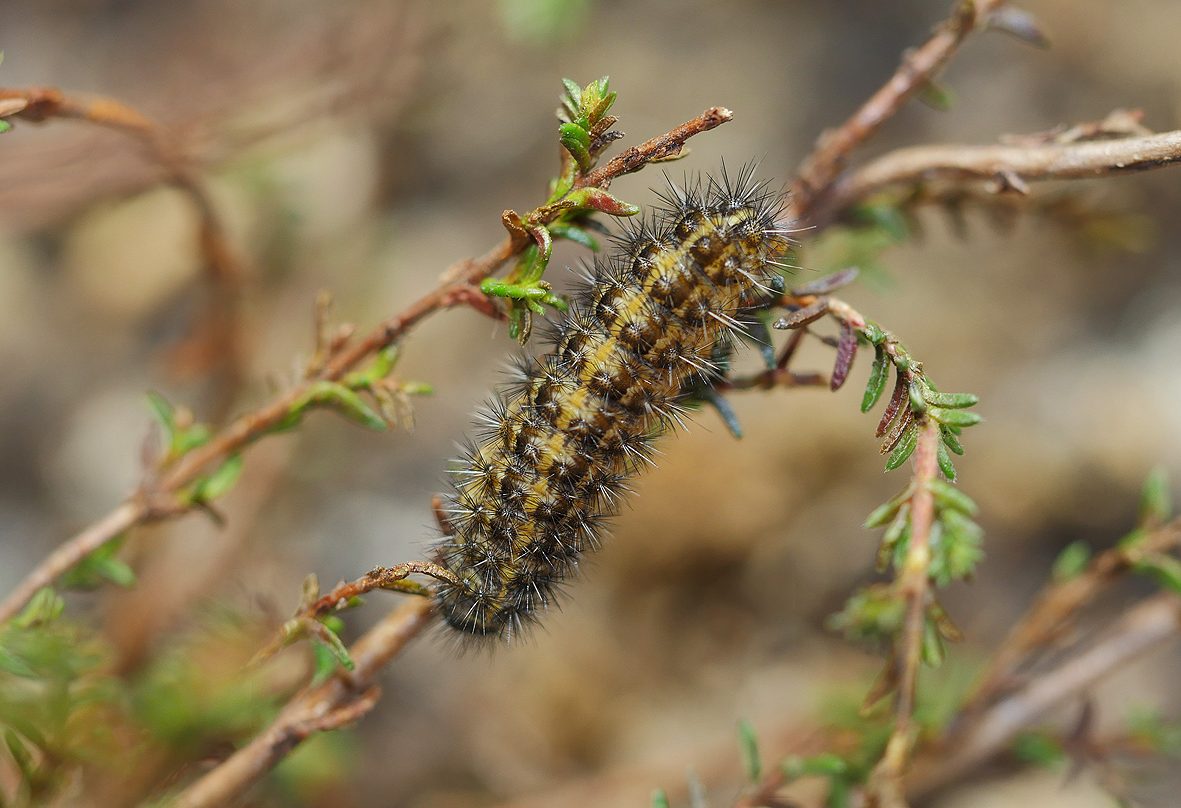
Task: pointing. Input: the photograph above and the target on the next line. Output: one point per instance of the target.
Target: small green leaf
(15, 665)
(958, 418)
(948, 496)
(574, 93)
(944, 460)
(101, 564)
(44, 607)
(887, 510)
(223, 479)
(1039, 749)
(916, 391)
(5, 126)
(659, 799)
(17, 748)
(574, 233)
(163, 410)
(951, 401)
(904, 449)
(330, 640)
(826, 764)
(1164, 569)
(936, 96)
(1155, 504)
(874, 333)
(951, 439)
(576, 140)
(886, 217)
(344, 400)
(1071, 562)
(933, 650)
(879, 372)
(750, 751)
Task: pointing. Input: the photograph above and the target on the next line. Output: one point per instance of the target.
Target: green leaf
(223, 479)
(887, 510)
(944, 460)
(874, 333)
(344, 400)
(879, 372)
(1155, 502)
(574, 233)
(331, 641)
(21, 755)
(916, 390)
(948, 496)
(933, 649)
(936, 96)
(1164, 569)
(904, 449)
(102, 564)
(659, 799)
(574, 93)
(44, 607)
(1071, 562)
(958, 418)
(1039, 749)
(951, 401)
(750, 751)
(5, 126)
(16, 665)
(826, 764)
(576, 140)
(951, 439)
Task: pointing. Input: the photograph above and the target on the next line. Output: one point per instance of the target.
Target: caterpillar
(556, 447)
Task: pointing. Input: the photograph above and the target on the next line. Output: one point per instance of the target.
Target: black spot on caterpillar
(558, 445)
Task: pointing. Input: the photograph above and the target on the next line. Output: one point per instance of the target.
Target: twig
(1056, 606)
(821, 167)
(1010, 165)
(1140, 629)
(328, 706)
(885, 783)
(454, 290)
(217, 338)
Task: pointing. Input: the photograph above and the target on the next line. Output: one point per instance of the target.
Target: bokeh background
(363, 146)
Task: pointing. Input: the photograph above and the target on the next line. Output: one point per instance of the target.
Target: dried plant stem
(818, 171)
(1010, 165)
(885, 786)
(1140, 629)
(216, 340)
(455, 289)
(336, 703)
(1056, 607)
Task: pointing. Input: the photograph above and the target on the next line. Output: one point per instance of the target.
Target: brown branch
(1056, 607)
(661, 147)
(885, 782)
(1009, 165)
(918, 67)
(454, 290)
(216, 340)
(1140, 629)
(328, 706)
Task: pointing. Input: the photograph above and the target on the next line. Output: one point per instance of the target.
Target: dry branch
(1008, 165)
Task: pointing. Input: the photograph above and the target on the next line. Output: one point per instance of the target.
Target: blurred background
(361, 147)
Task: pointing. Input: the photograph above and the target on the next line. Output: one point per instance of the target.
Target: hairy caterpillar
(532, 493)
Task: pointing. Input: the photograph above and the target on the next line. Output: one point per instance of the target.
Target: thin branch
(1010, 165)
(455, 289)
(327, 706)
(1139, 630)
(217, 337)
(885, 783)
(918, 67)
(1056, 607)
